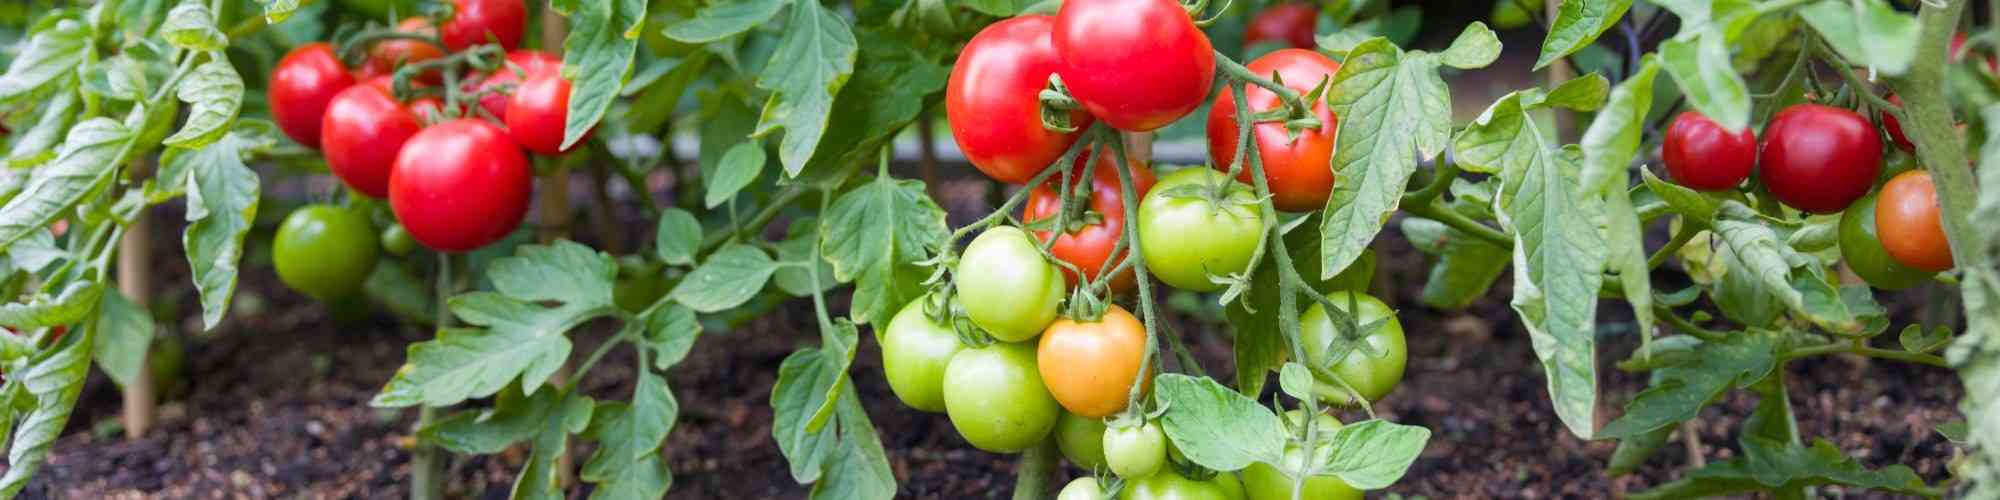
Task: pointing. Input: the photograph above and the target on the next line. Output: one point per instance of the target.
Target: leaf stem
(1863, 350)
(1686, 326)
(1441, 177)
(1455, 220)
(1237, 71)
(1681, 239)
(1037, 468)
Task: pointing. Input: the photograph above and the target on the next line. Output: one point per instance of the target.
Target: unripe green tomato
(1372, 376)
(1264, 482)
(1169, 484)
(397, 241)
(1082, 488)
(1006, 286)
(325, 251)
(1081, 440)
(1185, 236)
(1861, 247)
(915, 352)
(1135, 451)
(996, 399)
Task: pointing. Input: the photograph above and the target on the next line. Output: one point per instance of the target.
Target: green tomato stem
(1292, 98)
(1036, 471)
(1455, 220)
(1863, 350)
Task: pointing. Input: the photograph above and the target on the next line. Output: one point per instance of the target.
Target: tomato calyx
(1057, 106)
(353, 50)
(1350, 338)
(1295, 109)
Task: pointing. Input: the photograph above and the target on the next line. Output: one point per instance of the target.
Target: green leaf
(1632, 452)
(55, 379)
(221, 206)
(467, 363)
(1915, 339)
(813, 390)
(564, 271)
(875, 234)
(191, 26)
(1475, 48)
(1695, 207)
(539, 479)
(37, 143)
(1609, 146)
(723, 20)
(513, 418)
(857, 468)
(1583, 93)
(1578, 23)
(740, 166)
(627, 434)
(810, 65)
(1466, 268)
(646, 479)
(998, 8)
(1711, 84)
(1296, 380)
(877, 103)
(670, 332)
(1374, 454)
(1559, 255)
(1679, 392)
(124, 334)
(1217, 427)
(597, 58)
(1392, 107)
(74, 303)
(275, 11)
(1259, 346)
(1866, 32)
(678, 237)
(1772, 466)
(84, 164)
(1796, 280)
(729, 278)
(50, 54)
(216, 93)
(801, 241)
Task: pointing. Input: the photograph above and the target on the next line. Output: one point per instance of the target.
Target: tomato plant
(460, 185)
(1135, 451)
(1819, 159)
(302, 85)
(915, 352)
(1135, 64)
(1091, 365)
(496, 88)
(996, 398)
(325, 251)
(1291, 24)
(475, 22)
(1171, 485)
(363, 129)
(1008, 289)
(1088, 246)
(1197, 223)
(993, 100)
(1081, 440)
(1862, 249)
(1908, 224)
(1702, 155)
(1296, 162)
(538, 112)
(387, 55)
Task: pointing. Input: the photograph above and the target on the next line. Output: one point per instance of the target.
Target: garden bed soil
(275, 406)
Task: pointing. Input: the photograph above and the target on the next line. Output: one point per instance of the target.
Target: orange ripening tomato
(1907, 220)
(1090, 366)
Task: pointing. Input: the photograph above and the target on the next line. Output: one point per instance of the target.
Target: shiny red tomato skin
(363, 130)
(1703, 156)
(993, 100)
(472, 20)
(301, 85)
(521, 64)
(1819, 159)
(1291, 24)
(1895, 127)
(1299, 170)
(460, 185)
(537, 113)
(1908, 221)
(385, 56)
(1089, 249)
(1136, 64)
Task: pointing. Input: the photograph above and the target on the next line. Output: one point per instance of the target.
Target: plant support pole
(135, 271)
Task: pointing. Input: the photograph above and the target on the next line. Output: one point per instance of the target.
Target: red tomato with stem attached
(1908, 222)
(476, 22)
(1819, 159)
(538, 112)
(1291, 24)
(1136, 64)
(1089, 248)
(1703, 156)
(497, 87)
(1298, 168)
(1895, 127)
(993, 100)
(301, 86)
(387, 55)
(362, 132)
(460, 185)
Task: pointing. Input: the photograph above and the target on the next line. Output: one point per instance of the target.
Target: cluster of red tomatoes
(1135, 66)
(1823, 160)
(455, 177)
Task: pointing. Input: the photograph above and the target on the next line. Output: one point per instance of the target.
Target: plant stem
(426, 482)
(1864, 350)
(1681, 239)
(1236, 71)
(1441, 177)
(1036, 471)
(1455, 220)
(1927, 121)
(1685, 326)
(778, 203)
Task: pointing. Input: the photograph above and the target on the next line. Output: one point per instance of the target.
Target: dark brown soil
(276, 407)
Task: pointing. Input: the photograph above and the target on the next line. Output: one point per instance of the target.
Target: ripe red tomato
(1958, 52)
(1895, 127)
(497, 87)
(1291, 24)
(1089, 248)
(460, 185)
(301, 85)
(1299, 169)
(1908, 221)
(537, 113)
(385, 56)
(1090, 366)
(1819, 159)
(993, 100)
(1136, 64)
(362, 132)
(1703, 156)
(473, 21)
